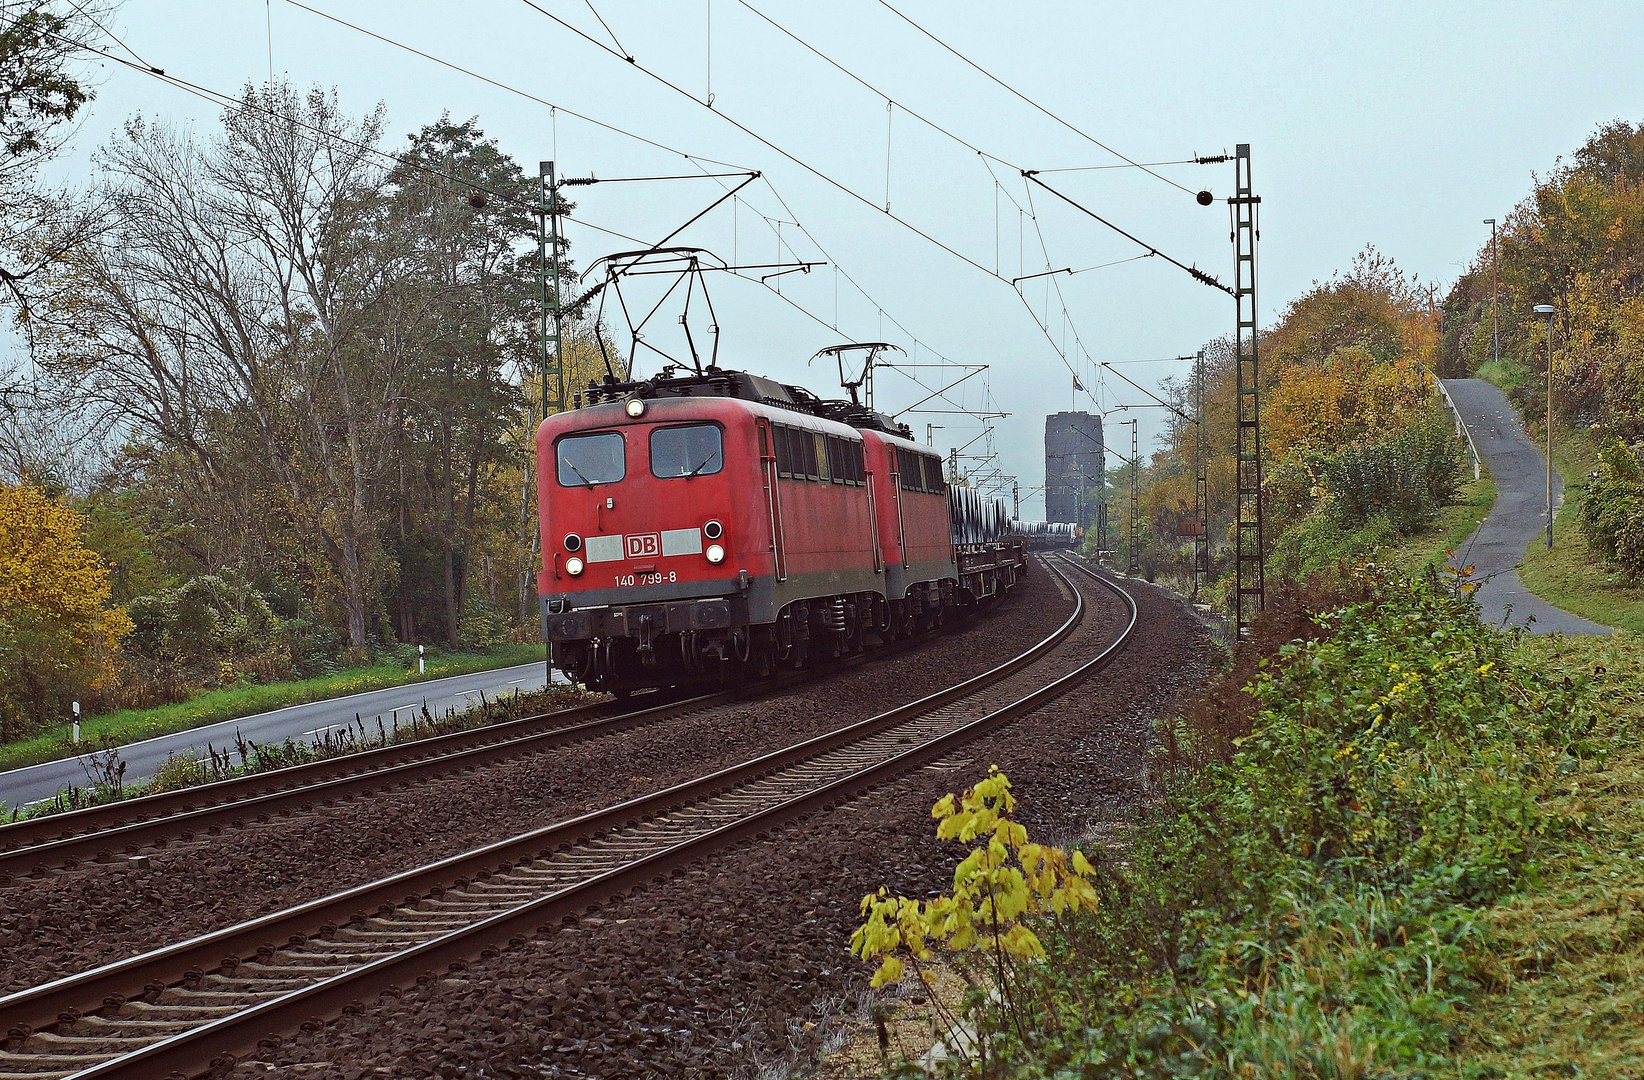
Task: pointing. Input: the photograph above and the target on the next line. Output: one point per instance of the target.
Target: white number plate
(658, 578)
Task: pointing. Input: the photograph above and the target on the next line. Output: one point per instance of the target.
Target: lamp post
(1546, 311)
(1495, 292)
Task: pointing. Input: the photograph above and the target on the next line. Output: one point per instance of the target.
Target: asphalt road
(298, 722)
(1518, 518)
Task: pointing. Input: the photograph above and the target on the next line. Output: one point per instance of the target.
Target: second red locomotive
(720, 525)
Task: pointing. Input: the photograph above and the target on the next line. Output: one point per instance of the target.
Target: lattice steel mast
(551, 362)
(1135, 501)
(1249, 573)
(1201, 482)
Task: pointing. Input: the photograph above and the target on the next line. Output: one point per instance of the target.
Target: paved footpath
(1519, 516)
(297, 722)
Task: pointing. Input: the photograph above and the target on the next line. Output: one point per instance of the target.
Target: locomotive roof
(746, 386)
(613, 414)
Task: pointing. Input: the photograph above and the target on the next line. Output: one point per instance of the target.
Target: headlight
(573, 566)
(715, 553)
(573, 542)
(636, 407)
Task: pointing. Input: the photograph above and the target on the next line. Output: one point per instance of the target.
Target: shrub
(209, 631)
(1303, 900)
(483, 626)
(1612, 509)
(59, 638)
(1406, 477)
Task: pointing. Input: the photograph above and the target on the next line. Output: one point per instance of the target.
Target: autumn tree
(238, 315)
(465, 206)
(42, 42)
(1351, 427)
(58, 635)
(1576, 242)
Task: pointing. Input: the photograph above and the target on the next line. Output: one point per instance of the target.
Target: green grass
(231, 703)
(1569, 576)
(185, 770)
(1506, 373)
(1566, 955)
(1312, 891)
(1430, 549)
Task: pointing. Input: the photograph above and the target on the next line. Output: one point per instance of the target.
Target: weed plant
(1306, 896)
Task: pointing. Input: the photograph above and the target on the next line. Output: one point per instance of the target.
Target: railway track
(125, 829)
(192, 1007)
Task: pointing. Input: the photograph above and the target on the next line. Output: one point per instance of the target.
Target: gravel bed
(69, 921)
(736, 968)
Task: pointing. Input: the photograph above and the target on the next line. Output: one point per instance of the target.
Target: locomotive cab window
(692, 450)
(586, 460)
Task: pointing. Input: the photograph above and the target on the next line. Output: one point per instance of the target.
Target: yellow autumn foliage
(1004, 882)
(59, 637)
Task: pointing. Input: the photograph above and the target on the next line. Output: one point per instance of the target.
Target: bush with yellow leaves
(59, 638)
(1000, 888)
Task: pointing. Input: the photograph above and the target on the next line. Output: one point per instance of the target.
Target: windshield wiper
(703, 464)
(578, 471)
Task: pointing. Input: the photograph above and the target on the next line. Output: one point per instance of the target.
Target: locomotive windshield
(694, 450)
(586, 460)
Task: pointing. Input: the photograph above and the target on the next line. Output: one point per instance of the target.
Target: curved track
(192, 1006)
(114, 831)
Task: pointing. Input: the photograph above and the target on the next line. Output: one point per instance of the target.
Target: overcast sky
(1395, 124)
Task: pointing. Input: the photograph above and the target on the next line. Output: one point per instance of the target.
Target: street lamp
(1546, 311)
(1495, 292)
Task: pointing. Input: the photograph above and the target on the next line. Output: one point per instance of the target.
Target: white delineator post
(76, 723)
(422, 666)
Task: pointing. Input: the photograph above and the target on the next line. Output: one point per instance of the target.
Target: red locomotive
(717, 526)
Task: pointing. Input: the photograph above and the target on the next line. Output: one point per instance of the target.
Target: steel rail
(101, 833)
(33, 831)
(203, 1045)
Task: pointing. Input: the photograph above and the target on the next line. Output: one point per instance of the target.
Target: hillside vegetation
(1404, 845)
(1357, 455)
(1358, 450)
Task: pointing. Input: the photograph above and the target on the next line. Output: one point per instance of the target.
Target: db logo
(643, 545)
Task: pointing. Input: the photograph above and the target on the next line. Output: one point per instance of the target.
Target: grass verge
(1569, 576)
(185, 771)
(1429, 550)
(232, 703)
(1360, 851)
(1564, 956)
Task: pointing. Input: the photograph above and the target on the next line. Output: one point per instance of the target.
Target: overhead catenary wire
(217, 97)
(695, 159)
(1195, 272)
(872, 89)
(767, 143)
(527, 95)
(1023, 97)
(112, 36)
(221, 99)
(620, 47)
(623, 55)
(986, 157)
(1138, 165)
